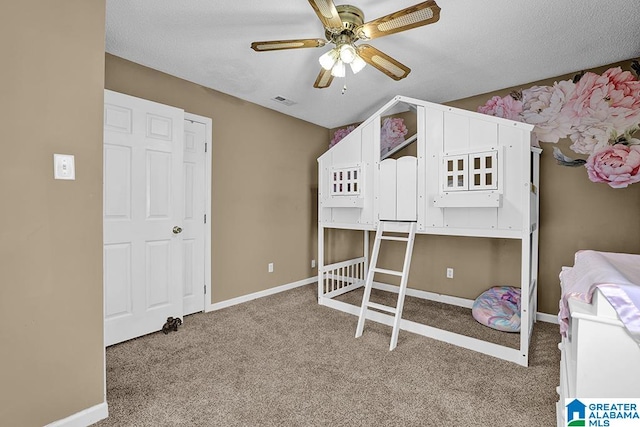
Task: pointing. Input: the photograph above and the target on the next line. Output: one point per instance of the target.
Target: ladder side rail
(365, 254)
(369, 281)
(403, 287)
(321, 281)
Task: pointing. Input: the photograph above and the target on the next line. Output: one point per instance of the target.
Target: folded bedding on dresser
(617, 275)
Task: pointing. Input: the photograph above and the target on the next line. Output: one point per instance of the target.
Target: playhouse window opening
(481, 174)
(345, 181)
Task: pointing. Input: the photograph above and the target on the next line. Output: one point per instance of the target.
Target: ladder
(408, 228)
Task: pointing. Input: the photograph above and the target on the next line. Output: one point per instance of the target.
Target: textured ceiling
(475, 47)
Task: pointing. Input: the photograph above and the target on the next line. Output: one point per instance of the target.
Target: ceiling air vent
(284, 101)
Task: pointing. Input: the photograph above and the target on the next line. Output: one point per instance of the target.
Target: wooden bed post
(320, 262)
(365, 252)
(525, 315)
(536, 218)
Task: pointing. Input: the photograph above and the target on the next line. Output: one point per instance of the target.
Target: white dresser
(598, 357)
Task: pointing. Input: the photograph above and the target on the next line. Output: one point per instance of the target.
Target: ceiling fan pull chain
(344, 88)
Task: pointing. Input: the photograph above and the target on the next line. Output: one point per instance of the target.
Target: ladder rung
(381, 307)
(385, 271)
(399, 239)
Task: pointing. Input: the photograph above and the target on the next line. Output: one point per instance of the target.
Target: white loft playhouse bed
(474, 175)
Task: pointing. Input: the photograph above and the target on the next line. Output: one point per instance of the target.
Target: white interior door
(143, 200)
(193, 234)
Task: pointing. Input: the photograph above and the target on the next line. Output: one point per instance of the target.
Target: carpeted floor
(284, 360)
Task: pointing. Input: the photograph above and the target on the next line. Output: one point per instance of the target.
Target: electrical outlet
(270, 267)
(449, 273)
(313, 263)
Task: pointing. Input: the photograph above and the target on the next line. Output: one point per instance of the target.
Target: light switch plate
(64, 166)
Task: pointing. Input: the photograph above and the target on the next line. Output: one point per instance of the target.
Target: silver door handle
(177, 230)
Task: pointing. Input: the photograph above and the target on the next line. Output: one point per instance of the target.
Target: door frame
(208, 163)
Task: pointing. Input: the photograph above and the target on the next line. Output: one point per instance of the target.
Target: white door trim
(208, 122)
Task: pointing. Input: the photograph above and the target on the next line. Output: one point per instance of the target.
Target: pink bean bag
(498, 308)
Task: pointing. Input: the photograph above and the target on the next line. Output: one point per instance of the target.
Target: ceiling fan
(344, 25)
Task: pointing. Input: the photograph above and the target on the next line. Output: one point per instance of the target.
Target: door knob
(177, 230)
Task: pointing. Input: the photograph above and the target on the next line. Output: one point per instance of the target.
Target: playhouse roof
(413, 103)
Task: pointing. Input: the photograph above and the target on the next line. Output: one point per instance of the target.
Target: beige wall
(575, 214)
(264, 183)
(51, 344)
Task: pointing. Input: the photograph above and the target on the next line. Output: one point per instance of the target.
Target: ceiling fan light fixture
(338, 70)
(347, 53)
(328, 59)
(344, 27)
(357, 64)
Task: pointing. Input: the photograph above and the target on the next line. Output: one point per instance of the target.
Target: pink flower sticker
(340, 134)
(392, 133)
(507, 108)
(611, 101)
(544, 107)
(618, 165)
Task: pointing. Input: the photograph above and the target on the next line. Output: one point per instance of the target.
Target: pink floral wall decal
(508, 107)
(599, 113)
(339, 134)
(392, 133)
(618, 165)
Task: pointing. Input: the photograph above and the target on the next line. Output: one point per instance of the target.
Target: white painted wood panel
(369, 148)
(511, 139)
(345, 215)
(434, 122)
(486, 218)
(422, 168)
(118, 280)
(456, 132)
(406, 188)
(158, 277)
(158, 183)
(189, 268)
(118, 119)
(388, 190)
(349, 150)
(598, 357)
(324, 213)
(143, 146)
(483, 133)
(347, 153)
(117, 187)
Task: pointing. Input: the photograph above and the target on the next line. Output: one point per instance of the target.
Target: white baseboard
(446, 299)
(84, 418)
(549, 318)
(260, 294)
(431, 296)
